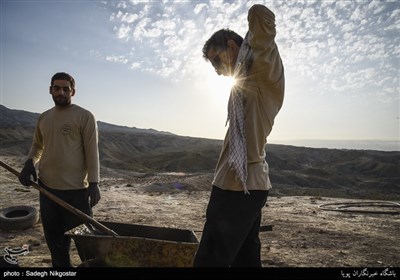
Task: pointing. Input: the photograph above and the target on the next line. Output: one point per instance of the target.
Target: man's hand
(93, 193)
(26, 173)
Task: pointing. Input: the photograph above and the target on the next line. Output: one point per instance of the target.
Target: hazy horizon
(378, 145)
(357, 144)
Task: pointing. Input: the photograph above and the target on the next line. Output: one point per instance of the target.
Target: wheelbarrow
(126, 245)
(134, 246)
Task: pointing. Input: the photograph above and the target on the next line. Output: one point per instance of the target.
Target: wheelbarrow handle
(62, 203)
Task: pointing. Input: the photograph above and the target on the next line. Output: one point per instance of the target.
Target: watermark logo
(11, 253)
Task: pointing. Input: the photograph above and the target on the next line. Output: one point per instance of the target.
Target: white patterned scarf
(237, 158)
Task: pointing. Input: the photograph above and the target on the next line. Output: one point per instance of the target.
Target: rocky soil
(303, 235)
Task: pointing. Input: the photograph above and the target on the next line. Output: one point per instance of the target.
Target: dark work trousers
(56, 220)
(230, 235)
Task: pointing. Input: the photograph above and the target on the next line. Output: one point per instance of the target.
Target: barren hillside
(161, 179)
(293, 170)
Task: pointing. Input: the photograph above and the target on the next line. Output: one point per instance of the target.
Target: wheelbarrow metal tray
(136, 245)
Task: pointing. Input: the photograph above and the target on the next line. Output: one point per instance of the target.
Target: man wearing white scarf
(241, 183)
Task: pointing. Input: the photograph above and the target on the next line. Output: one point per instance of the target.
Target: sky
(139, 64)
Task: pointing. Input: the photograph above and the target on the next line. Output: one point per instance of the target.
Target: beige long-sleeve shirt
(65, 144)
(263, 93)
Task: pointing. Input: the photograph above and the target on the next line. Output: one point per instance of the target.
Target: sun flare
(220, 87)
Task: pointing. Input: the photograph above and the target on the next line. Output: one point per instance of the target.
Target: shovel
(67, 206)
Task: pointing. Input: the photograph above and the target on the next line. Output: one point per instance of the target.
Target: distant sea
(379, 145)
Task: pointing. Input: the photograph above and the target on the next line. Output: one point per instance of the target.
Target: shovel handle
(62, 203)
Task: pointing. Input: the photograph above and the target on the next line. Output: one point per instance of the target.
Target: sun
(219, 87)
(227, 82)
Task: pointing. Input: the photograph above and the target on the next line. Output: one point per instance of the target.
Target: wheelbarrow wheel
(18, 217)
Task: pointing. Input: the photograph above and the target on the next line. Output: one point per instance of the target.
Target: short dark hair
(219, 40)
(63, 76)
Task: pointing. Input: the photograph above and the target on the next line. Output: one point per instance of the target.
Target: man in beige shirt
(241, 182)
(65, 148)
